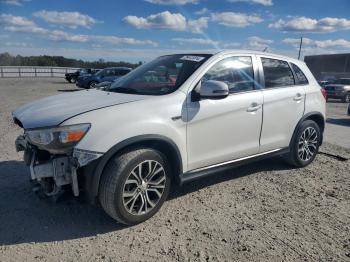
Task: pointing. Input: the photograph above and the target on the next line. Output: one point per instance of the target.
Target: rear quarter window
(300, 76)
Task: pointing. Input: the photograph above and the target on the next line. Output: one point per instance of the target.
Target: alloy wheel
(144, 187)
(307, 145)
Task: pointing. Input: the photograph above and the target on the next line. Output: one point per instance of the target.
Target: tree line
(7, 59)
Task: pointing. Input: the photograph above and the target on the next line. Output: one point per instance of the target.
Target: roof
(239, 51)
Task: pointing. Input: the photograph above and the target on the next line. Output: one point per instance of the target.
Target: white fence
(34, 71)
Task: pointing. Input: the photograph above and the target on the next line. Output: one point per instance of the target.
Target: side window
(300, 76)
(237, 72)
(108, 72)
(277, 73)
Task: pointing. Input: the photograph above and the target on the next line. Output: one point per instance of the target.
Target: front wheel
(346, 98)
(305, 144)
(92, 84)
(135, 185)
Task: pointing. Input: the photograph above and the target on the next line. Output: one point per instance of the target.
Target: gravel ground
(264, 211)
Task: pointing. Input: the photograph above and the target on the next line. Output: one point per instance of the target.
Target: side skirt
(210, 170)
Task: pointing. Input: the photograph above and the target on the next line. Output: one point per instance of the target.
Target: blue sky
(139, 30)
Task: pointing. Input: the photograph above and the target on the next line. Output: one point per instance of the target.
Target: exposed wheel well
(162, 144)
(314, 116)
(318, 119)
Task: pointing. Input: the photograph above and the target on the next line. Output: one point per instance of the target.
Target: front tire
(135, 185)
(346, 98)
(92, 84)
(305, 144)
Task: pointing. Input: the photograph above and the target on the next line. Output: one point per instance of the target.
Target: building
(326, 67)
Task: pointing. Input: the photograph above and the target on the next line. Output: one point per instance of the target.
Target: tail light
(324, 93)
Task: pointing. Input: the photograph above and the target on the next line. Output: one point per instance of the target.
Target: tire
(346, 98)
(92, 84)
(69, 80)
(121, 193)
(301, 155)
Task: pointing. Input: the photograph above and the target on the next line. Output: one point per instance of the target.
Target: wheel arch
(161, 143)
(314, 116)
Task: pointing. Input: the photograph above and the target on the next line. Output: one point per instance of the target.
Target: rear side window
(277, 73)
(236, 72)
(300, 77)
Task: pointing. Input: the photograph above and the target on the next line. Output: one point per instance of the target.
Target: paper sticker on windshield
(192, 58)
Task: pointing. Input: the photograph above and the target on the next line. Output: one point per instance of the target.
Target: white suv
(175, 119)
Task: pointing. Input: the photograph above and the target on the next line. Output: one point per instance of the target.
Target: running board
(210, 170)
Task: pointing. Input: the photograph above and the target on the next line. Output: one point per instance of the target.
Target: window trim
(262, 75)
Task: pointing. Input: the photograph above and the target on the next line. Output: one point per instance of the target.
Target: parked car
(176, 119)
(107, 74)
(339, 90)
(72, 77)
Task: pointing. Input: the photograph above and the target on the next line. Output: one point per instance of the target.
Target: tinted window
(107, 72)
(300, 77)
(121, 72)
(236, 72)
(277, 73)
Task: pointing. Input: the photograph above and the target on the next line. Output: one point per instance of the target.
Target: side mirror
(213, 89)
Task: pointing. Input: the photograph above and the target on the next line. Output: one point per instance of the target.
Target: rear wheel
(305, 144)
(135, 185)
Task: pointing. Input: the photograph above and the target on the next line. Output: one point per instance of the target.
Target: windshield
(161, 76)
(343, 81)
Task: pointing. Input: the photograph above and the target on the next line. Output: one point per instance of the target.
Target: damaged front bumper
(52, 171)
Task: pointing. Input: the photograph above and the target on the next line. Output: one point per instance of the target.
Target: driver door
(225, 129)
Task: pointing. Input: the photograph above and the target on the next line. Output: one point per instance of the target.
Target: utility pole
(301, 43)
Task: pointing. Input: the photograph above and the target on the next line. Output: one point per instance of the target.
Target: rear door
(284, 102)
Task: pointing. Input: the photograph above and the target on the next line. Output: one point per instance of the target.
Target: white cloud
(296, 41)
(167, 20)
(196, 41)
(258, 43)
(58, 35)
(202, 11)
(173, 2)
(14, 2)
(232, 19)
(69, 19)
(23, 25)
(19, 24)
(319, 44)
(231, 45)
(305, 24)
(261, 2)
(12, 20)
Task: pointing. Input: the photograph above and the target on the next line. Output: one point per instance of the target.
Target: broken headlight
(57, 140)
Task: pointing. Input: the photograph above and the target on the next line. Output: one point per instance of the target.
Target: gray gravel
(264, 211)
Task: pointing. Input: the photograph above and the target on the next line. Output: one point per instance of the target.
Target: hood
(53, 110)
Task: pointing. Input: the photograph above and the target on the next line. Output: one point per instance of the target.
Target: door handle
(298, 97)
(253, 107)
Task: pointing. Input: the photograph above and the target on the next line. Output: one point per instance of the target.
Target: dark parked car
(72, 77)
(339, 90)
(107, 74)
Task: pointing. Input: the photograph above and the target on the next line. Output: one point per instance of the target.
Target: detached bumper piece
(61, 170)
